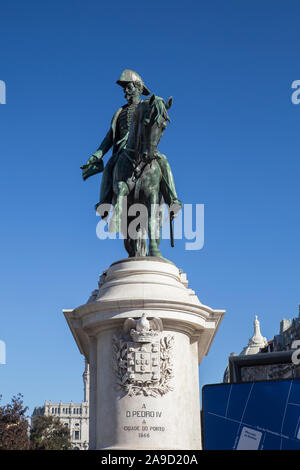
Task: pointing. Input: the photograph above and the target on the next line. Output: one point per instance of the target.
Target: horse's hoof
(156, 253)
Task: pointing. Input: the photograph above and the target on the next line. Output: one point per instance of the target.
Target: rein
(138, 168)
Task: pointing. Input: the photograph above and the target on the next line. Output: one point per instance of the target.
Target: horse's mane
(152, 110)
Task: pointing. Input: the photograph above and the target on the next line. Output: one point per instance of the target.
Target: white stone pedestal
(144, 373)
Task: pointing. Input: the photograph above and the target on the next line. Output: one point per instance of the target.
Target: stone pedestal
(144, 332)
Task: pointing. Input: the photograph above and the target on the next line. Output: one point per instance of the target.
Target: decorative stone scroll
(142, 358)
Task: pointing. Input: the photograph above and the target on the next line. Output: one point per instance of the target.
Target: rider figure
(116, 137)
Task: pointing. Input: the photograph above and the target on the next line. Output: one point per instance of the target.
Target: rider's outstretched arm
(105, 145)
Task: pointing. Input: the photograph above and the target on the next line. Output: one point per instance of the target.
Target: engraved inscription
(144, 422)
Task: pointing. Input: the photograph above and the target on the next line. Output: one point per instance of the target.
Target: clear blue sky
(233, 145)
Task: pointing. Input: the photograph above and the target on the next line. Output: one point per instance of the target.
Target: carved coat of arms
(142, 358)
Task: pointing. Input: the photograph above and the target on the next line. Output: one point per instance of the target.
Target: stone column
(144, 333)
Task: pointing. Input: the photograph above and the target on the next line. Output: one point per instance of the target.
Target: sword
(171, 228)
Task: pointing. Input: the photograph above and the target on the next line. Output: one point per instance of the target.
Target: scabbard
(171, 229)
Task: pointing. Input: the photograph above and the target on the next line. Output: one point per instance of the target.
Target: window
(76, 436)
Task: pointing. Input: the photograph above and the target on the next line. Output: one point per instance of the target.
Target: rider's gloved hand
(95, 157)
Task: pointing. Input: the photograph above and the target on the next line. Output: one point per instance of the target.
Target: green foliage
(48, 433)
(14, 425)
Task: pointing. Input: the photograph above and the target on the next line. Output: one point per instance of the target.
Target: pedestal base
(144, 332)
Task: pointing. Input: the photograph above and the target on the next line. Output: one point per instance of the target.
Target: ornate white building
(266, 360)
(254, 346)
(256, 342)
(73, 415)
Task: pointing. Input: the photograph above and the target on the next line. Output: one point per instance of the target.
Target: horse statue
(137, 179)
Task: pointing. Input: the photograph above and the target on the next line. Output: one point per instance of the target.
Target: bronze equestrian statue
(136, 170)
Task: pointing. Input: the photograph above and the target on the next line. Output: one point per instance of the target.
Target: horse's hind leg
(154, 224)
(159, 220)
(118, 221)
(129, 244)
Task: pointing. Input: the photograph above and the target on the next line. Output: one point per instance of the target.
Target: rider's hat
(131, 76)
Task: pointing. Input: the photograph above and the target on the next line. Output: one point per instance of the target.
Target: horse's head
(153, 122)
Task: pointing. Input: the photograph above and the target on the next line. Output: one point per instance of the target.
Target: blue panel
(267, 404)
(238, 400)
(255, 415)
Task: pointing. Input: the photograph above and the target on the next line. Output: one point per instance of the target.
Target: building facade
(73, 415)
(266, 360)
